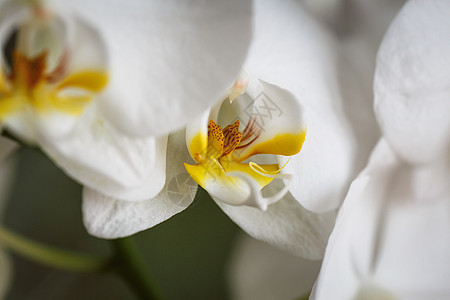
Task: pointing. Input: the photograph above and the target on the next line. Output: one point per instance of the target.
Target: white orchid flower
(292, 68)
(6, 170)
(391, 239)
(275, 123)
(76, 75)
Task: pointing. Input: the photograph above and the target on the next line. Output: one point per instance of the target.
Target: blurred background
(187, 255)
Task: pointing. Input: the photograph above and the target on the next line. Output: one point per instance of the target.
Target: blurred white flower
(51, 69)
(98, 86)
(391, 238)
(259, 271)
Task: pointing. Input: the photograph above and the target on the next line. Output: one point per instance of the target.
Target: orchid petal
(197, 137)
(303, 61)
(411, 84)
(108, 217)
(181, 66)
(359, 27)
(33, 129)
(102, 158)
(10, 12)
(386, 236)
(285, 224)
(259, 271)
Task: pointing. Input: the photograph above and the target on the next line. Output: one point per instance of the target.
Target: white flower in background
(44, 83)
(292, 67)
(73, 73)
(6, 172)
(359, 26)
(391, 240)
(259, 271)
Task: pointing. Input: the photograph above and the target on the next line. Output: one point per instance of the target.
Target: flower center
(38, 77)
(222, 143)
(30, 85)
(235, 165)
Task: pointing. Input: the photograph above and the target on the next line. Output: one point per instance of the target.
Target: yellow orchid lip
(220, 158)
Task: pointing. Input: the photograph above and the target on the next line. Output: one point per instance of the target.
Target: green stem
(130, 266)
(51, 256)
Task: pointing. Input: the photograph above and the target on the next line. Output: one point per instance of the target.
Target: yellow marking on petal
(260, 169)
(247, 169)
(10, 105)
(204, 173)
(282, 144)
(198, 145)
(90, 80)
(71, 105)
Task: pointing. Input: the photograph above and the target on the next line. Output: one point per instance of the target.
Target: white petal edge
(182, 66)
(285, 225)
(109, 218)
